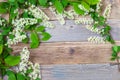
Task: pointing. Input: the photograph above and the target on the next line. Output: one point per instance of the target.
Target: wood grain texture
(69, 53)
(114, 15)
(80, 72)
(72, 32)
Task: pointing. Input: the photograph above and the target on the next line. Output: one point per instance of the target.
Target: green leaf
(92, 2)
(113, 58)
(77, 9)
(40, 29)
(38, 79)
(116, 49)
(11, 75)
(20, 76)
(12, 60)
(114, 54)
(21, 1)
(4, 7)
(64, 3)
(86, 6)
(58, 5)
(45, 36)
(29, 71)
(1, 49)
(25, 40)
(33, 2)
(3, 10)
(25, 15)
(43, 2)
(34, 40)
(11, 1)
(13, 14)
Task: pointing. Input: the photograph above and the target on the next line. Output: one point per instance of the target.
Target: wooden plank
(72, 32)
(80, 72)
(69, 53)
(114, 15)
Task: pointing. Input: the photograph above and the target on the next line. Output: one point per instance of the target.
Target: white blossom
(2, 22)
(25, 64)
(18, 30)
(87, 21)
(91, 28)
(59, 16)
(36, 72)
(98, 6)
(47, 24)
(96, 39)
(69, 14)
(107, 11)
(38, 13)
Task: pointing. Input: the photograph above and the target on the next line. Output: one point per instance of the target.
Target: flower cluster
(91, 28)
(18, 32)
(98, 6)
(39, 14)
(47, 24)
(24, 60)
(70, 14)
(96, 39)
(107, 11)
(25, 65)
(22, 22)
(59, 16)
(87, 21)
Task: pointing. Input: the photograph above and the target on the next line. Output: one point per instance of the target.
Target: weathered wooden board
(80, 72)
(114, 15)
(72, 32)
(69, 53)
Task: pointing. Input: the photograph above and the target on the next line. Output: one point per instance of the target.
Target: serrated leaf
(11, 75)
(12, 60)
(77, 9)
(43, 2)
(58, 5)
(34, 40)
(45, 36)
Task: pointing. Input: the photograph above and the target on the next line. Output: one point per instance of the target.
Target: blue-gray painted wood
(72, 32)
(80, 72)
